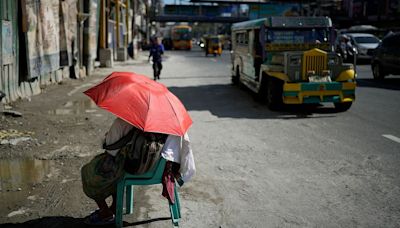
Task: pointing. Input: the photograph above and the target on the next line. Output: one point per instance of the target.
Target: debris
(21, 211)
(12, 133)
(12, 113)
(14, 141)
(14, 137)
(32, 197)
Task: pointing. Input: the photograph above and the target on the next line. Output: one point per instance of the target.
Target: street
(299, 167)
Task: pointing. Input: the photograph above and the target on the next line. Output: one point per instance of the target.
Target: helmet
(153, 39)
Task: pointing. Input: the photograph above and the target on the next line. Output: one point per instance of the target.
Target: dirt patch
(43, 149)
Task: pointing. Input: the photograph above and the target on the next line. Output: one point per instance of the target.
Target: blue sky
(176, 1)
(171, 1)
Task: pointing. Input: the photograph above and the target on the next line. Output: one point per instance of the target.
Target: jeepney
(213, 45)
(291, 60)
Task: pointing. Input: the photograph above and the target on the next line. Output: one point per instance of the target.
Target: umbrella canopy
(142, 102)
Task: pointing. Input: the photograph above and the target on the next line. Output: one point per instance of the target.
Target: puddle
(17, 175)
(75, 107)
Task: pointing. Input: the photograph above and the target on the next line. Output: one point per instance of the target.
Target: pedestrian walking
(156, 51)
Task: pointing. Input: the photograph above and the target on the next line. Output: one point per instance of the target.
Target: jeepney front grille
(314, 60)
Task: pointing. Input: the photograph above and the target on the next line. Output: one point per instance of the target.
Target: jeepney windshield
(214, 40)
(297, 36)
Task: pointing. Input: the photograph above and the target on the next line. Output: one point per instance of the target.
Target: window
(242, 38)
(246, 38)
(299, 36)
(366, 40)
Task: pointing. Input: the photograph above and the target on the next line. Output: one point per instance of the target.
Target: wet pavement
(75, 107)
(18, 174)
(43, 149)
(18, 178)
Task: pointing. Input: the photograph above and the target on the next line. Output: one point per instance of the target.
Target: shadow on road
(193, 77)
(224, 100)
(49, 222)
(70, 222)
(363, 62)
(387, 83)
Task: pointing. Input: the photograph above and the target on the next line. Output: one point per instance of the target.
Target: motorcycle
(347, 50)
(351, 55)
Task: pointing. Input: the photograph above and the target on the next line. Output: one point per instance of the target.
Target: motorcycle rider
(346, 48)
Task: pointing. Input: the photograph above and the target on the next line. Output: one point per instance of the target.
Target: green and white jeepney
(291, 60)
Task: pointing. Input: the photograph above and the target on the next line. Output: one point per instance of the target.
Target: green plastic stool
(151, 177)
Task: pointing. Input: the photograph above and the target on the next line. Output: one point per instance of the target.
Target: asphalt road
(298, 168)
(302, 167)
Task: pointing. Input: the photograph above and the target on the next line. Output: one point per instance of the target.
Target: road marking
(214, 60)
(392, 137)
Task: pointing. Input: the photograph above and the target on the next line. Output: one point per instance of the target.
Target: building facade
(46, 41)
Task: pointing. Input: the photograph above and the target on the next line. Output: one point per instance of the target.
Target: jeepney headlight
(310, 73)
(326, 73)
(295, 60)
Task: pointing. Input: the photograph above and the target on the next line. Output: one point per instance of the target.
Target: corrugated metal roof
(249, 24)
(288, 22)
(296, 22)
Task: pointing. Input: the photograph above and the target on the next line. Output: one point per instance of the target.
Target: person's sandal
(94, 219)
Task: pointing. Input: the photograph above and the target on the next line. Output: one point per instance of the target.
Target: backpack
(156, 51)
(142, 149)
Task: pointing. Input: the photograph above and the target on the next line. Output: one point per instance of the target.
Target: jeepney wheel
(377, 72)
(342, 107)
(240, 82)
(261, 95)
(274, 94)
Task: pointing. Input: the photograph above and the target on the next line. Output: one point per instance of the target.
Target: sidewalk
(141, 60)
(43, 149)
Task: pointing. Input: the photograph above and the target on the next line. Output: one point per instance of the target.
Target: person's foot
(100, 218)
(106, 213)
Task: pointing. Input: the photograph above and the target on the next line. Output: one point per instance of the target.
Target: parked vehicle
(290, 60)
(386, 57)
(363, 42)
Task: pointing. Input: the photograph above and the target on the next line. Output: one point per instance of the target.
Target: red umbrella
(144, 103)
